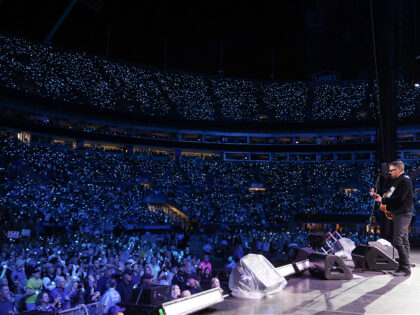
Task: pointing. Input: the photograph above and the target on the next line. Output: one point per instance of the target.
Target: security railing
(82, 309)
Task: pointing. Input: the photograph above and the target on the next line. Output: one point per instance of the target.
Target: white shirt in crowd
(110, 298)
(48, 283)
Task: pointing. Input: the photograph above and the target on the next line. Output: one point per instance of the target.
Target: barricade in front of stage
(88, 309)
(154, 300)
(193, 303)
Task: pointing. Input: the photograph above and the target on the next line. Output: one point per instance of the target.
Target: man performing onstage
(399, 201)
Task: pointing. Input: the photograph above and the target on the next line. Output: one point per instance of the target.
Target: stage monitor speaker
(255, 277)
(328, 267)
(375, 256)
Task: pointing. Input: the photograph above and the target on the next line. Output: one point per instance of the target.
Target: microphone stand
(372, 217)
(372, 221)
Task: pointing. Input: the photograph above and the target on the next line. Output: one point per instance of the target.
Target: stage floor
(367, 293)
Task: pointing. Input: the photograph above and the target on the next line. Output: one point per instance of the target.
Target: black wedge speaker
(375, 256)
(328, 267)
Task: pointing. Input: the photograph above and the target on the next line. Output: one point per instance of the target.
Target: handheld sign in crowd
(13, 234)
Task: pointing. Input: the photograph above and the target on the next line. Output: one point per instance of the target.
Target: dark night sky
(305, 35)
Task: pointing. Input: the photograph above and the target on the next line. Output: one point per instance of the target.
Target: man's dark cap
(193, 276)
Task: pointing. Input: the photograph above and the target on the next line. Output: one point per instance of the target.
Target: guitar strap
(394, 185)
(390, 192)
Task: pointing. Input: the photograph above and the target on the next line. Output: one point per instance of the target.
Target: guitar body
(388, 214)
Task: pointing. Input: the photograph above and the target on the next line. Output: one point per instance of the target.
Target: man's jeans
(400, 239)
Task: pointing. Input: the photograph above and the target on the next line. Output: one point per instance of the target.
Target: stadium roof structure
(285, 40)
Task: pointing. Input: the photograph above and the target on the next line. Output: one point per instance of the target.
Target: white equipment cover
(255, 277)
(343, 248)
(384, 242)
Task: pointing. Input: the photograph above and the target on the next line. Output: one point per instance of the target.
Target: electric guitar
(382, 206)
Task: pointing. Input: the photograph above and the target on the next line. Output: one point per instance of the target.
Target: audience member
(125, 287)
(6, 305)
(111, 296)
(43, 303)
(175, 292)
(215, 283)
(63, 292)
(33, 288)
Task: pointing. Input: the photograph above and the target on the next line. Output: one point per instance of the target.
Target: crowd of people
(50, 184)
(106, 84)
(52, 272)
(71, 202)
(350, 101)
(55, 272)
